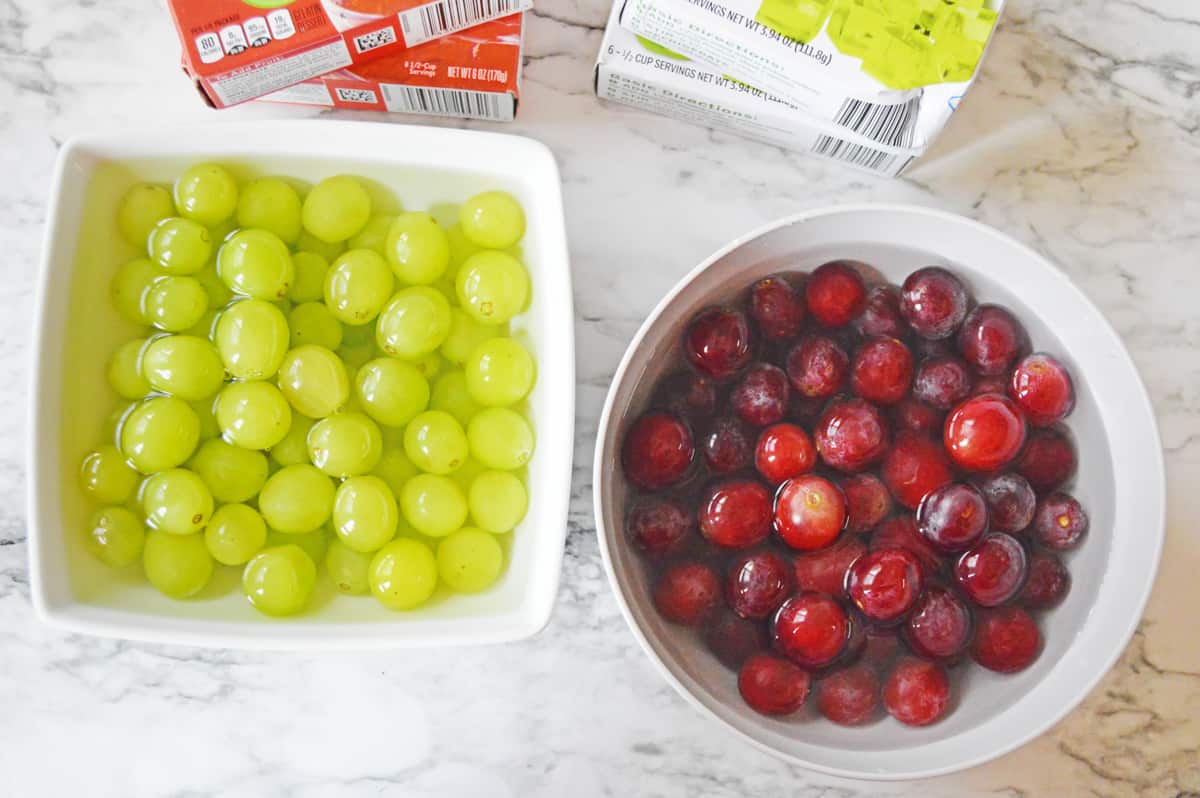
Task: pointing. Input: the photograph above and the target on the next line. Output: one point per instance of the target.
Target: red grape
(718, 342)
(658, 451)
(835, 294)
(771, 685)
(916, 693)
(736, 513)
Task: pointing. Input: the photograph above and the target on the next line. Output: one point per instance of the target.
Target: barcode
(498, 106)
(376, 38)
(859, 155)
(888, 124)
(446, 16)
(356, 95)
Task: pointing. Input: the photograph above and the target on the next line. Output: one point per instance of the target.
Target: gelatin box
(636, 72)
(238, 50)
(474, 74)
(891, 70)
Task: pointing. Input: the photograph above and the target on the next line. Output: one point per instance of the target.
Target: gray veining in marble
(1081, 138)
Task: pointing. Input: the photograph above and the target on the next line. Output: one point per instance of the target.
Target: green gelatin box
(891, 70)
(635, 71)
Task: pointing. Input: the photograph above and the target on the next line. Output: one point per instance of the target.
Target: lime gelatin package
(890, 70)
(638, 72)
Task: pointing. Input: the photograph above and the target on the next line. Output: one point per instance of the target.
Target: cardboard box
(745, 38)
(238, 50)
(474, 74)
(642, 75)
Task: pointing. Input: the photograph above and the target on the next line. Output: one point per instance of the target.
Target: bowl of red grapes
(879, 489)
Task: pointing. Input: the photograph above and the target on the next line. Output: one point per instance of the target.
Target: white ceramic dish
(76, 330)
(1120, 481)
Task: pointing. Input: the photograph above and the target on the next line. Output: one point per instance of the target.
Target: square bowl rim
(527, 156)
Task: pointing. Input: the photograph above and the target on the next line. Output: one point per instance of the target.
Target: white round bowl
(1120, 482)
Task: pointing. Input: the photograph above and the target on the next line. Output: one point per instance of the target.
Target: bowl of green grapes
(302, 385)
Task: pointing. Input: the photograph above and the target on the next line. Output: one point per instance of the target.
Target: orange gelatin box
(238, 50)
(474, 74)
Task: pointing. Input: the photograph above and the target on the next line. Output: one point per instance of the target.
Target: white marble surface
(1081, 138)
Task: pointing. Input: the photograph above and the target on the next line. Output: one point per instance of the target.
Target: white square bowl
(76, 330)
(1120, 482)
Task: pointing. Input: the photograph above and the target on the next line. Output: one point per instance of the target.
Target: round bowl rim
(1156, 505)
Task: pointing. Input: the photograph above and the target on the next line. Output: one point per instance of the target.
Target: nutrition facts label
(236, 39)
(263, 78)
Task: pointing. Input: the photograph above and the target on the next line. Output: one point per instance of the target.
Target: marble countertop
(1081, 138)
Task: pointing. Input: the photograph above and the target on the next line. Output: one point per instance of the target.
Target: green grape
(253, 415)
(207, 193)
(125, 370)
(461, 247)
(256, 263)
(364, 513)
(403, 574)
(492, 286)
(314, 380)
(500, 438)
(465, 475)
(469, 560)
(106, 477)
(309, 283)
(129, 285)
(328, 250)
(111, 431)
(115, 536)
(336, 208)
(374, 235)
(417, 248)
(497, 501)
(180, 246)
(450, 396)
(252, 338)
(395, 469)
(220, 232)
(391, 391)
(414, 323)
(348, 568)
(270, 204)
(466, 334)
(235, 533)
(355, 356)
(499, 372)
(206, 414)
(293, 449)
(183, 366)
(142, 207)
(296, 498)
(445, 287)
(178, 566)
(312, 323)
(429, 365)
(435, 442)
(279, 580)
(433, 505)
(358, 335)
(159, 433)
(493, 220)
(219, 294)
(345, 444)
(357, 286)
(314, 543)
(174, 303)
(232, 474)
(176, 501)
(203, 328)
